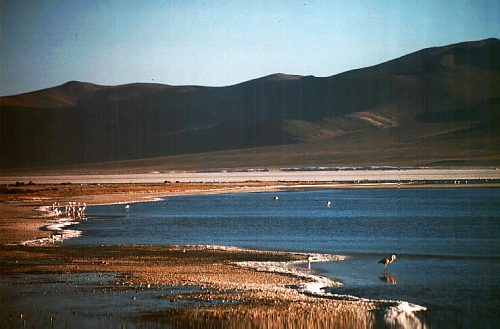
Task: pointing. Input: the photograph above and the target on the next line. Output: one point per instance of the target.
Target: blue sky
(217, 43)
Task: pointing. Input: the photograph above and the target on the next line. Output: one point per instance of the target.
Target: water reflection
(264, 318)
(346, 316)
(389, 279)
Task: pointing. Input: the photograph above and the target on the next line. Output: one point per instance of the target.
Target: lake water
(447, 240)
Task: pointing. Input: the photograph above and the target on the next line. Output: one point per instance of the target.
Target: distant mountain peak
(480, 43)
(75, 83)
(79, 85)
(282, 76)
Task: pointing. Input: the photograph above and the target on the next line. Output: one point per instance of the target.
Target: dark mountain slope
(412, 104)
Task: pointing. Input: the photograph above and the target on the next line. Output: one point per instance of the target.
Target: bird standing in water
(387, 261)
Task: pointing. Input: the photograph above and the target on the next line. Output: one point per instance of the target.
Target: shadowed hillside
(435, 106)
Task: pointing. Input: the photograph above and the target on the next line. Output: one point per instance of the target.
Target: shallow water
(87, 300)
(447, 240)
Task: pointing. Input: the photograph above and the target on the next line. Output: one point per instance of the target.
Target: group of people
(72, 209)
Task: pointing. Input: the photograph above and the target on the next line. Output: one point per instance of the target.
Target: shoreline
(244, 283)
(21, 219)
(256, 284)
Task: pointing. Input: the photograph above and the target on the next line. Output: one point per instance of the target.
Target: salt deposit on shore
(362, 176)
(399, 314)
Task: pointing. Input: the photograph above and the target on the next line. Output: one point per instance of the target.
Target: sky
(219, 43)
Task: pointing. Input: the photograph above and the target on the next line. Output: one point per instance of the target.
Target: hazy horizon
(48, 43)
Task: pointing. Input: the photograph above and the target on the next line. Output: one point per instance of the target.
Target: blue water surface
(447, 240)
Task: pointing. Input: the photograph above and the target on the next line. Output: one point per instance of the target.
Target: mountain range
(437, 106)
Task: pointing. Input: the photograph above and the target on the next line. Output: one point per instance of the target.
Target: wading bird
(387, 261)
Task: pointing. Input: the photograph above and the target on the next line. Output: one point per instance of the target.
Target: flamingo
(387, 261)
(73, 209)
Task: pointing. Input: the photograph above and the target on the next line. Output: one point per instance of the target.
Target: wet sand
(233, 296)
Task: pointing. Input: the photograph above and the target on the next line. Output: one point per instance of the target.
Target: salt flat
(363, 176)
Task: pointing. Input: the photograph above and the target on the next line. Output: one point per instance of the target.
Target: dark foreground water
(447, 240)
